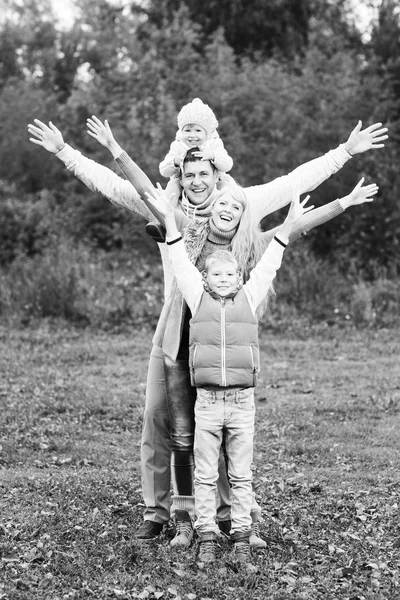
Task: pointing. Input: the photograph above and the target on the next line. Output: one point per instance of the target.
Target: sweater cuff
(281, 240)
(66, 153)
(174, 241)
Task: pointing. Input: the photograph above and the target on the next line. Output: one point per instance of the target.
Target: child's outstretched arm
(188, 277)
(296, 210)
(262, 276)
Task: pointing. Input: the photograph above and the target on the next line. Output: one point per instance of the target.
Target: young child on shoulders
(197, 128)
(224, 365)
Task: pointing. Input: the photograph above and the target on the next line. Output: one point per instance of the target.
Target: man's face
(193, 135)
(198, 180)
(222, 277)
(226, 212)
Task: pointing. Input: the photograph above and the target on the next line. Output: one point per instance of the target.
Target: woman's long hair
(248, 244)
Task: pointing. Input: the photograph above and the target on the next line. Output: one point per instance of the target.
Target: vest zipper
(223, 343)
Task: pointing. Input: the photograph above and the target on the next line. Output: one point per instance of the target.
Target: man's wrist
(60, 147)
(348, 150)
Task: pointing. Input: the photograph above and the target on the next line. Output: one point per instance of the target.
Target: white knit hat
(198, 113)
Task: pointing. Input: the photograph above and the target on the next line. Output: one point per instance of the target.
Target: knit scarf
(197, 233)
(201, 210)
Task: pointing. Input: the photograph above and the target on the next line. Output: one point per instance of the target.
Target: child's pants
(229, 412)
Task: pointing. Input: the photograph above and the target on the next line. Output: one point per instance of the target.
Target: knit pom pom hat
(198, 113)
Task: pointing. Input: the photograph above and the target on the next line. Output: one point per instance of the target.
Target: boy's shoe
(242, 551)
(148, 530)
(184, 530)
(207, 548)
(255, 540)
(156, 231)
(225, 527)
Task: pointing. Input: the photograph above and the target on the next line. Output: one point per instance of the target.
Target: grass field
(327, 466)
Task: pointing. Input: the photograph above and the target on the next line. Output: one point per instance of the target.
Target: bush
(79, 285)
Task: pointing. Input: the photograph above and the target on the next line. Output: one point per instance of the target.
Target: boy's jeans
(229, 412)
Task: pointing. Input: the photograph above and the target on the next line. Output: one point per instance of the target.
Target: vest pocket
(192, 358)
(255, 366)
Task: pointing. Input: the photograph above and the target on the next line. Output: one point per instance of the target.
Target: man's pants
(156, 449)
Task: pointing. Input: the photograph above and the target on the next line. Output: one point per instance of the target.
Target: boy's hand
(361, 141)
(100, 132)
(297, 209)
(360, 194)
(49, 137)
(161, 202)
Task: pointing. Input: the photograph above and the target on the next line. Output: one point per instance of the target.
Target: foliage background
(287, 79)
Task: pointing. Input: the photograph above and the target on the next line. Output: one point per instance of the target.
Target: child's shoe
(184, 530)
(241, 546)
(207, 548)
(242, 551)
(156, 231)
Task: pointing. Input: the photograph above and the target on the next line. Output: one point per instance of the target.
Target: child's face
(222, 277)
(194, 135)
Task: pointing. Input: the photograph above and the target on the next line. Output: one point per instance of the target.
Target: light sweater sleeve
(263, 274)
(222, 161)
(167, 166)
(188, 277)
(103, 181)
(309, 220)
(269, 197)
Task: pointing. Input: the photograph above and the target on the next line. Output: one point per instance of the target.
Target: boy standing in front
(224, 364)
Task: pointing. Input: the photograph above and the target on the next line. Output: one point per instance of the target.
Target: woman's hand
(99, 131)
(103, 134)
(360, 194)
(47, 136)
(361, 141)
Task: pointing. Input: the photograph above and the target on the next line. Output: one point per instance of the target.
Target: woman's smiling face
(226, 212)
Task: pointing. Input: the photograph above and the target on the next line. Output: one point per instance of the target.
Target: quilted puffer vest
(224, 342)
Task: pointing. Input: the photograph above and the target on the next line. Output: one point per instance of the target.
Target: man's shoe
(170, 529)
(207, 548)
(148, 530)
(156, 231)
(242, 551)
(225, 528)
(255, 540)
(184, 530)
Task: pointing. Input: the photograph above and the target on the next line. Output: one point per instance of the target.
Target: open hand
(206, 154)
(363, 140)
(47, 136)
(361, 194)
(100, 131)
(161, 202)
(297, 209)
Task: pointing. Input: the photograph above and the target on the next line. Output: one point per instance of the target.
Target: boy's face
(222, 277)
(194, 135)
(198, 180)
